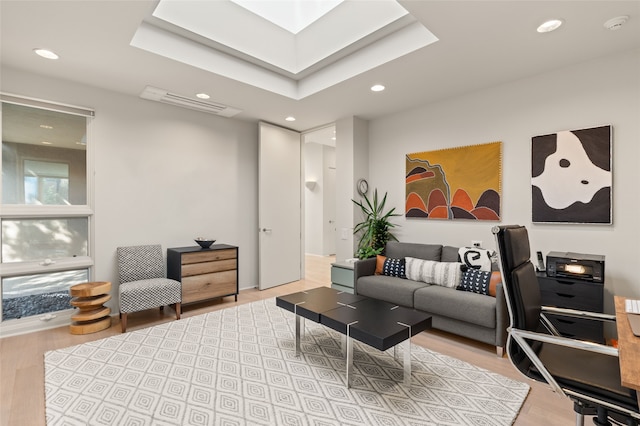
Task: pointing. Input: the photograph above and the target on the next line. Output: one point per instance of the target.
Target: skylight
(355, 37)
(292, 15)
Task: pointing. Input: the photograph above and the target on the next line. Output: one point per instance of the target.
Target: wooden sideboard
(204, 273)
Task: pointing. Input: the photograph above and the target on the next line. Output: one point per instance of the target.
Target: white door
(280, 208)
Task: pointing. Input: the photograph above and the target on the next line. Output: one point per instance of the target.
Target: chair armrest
(565, 341)
(363, 268)
(522, 338)
(579, 314)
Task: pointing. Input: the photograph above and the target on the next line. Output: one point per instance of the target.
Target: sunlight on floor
(318, 268)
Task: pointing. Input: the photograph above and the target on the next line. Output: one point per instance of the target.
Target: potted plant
(375, 229)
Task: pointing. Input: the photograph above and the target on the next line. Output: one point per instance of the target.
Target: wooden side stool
(88, 298)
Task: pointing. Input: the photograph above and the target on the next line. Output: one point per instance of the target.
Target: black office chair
(588, 373)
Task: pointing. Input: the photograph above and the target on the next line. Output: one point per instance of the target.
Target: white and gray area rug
(237, 366)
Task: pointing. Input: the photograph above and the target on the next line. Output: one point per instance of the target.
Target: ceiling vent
(160, 95)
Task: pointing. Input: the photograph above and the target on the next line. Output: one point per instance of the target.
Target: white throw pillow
(447, 274)
(476, 258)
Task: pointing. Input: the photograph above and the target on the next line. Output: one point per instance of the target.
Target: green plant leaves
(375, 229)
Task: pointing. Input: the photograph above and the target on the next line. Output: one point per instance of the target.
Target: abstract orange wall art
(455, 183)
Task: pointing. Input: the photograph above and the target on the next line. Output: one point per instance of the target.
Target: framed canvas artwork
(571, 176)
(455, 183)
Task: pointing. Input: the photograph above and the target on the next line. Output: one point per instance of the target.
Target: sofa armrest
(502, 317)
(363, 268)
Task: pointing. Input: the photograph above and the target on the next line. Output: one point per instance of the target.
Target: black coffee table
(379, 324)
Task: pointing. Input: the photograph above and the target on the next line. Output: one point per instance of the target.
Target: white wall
(605, 91)
(162, 174)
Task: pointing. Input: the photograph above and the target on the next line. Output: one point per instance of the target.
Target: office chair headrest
(516, 240)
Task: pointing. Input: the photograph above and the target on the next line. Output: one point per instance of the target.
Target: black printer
(578, 266)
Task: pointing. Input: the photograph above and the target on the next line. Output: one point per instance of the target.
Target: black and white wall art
(571, 176)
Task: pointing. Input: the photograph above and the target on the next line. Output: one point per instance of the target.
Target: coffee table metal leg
(407, 362)
(349, 359)
(343, 345)
(406, 348)
(298, 326)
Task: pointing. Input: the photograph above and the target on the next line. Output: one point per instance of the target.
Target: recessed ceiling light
(550, 25)
(46, 126)
(47, 143)
(616, 23)
(377, 88)
(203, 96)
(45, 53)
(290, 118)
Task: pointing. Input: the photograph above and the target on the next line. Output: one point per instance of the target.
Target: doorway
(320, 191)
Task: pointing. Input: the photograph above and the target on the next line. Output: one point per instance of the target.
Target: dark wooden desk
(628, 348)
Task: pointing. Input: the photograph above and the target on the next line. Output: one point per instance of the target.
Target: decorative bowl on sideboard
(204, 242)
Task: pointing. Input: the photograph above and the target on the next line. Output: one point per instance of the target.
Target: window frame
(33, 211)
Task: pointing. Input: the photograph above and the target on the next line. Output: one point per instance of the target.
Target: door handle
(266, 229)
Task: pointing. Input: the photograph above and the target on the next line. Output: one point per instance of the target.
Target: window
(47, 238)
(46, 182)
(44, 157)
(46, 217)
(36, 294)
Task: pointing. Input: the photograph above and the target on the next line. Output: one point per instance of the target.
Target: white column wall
(352, 163)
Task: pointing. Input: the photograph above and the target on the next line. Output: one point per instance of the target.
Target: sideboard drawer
(208, 256)
(209, 267)
(574, 294)
(342, 276)
(583, 329)
(208, 286)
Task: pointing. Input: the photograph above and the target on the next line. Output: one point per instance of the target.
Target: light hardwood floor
(22, 365)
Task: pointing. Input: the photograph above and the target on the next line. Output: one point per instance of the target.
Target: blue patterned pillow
(475, 281)
(394, 267)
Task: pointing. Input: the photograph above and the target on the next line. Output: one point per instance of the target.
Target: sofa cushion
(390, 289)
(390, 266)
(447, 274)
(476, 258)
(420, 251)
(461, 305)
(450, 254)
(481, 282)
(394, 267)
(475, 281)
(380, 264)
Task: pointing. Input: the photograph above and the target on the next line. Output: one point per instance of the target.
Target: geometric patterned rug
(237, 366)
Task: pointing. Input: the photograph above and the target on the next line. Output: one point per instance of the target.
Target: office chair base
(581, 411)
(601, 416)
(602, 419)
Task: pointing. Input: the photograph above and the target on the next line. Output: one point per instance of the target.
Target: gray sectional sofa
(472, 315)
